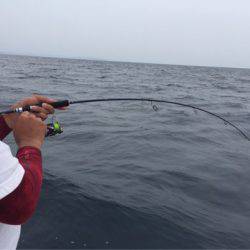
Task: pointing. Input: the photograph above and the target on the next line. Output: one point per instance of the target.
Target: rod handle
(60, 104)
(57, 104)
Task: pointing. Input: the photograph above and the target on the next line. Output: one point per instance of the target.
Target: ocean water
(123, 175)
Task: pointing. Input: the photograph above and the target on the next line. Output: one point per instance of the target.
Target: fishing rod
(55, 128)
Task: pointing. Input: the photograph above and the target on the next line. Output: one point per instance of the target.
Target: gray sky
(190, 32)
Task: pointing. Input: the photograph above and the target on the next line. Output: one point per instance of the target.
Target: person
(21, 176)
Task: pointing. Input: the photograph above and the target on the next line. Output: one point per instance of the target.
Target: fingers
(42, 116)
(28, 115)
(43, 111)
(24, 102)
(63, 108)
(48, 108)
(44, 99)
(33, 100)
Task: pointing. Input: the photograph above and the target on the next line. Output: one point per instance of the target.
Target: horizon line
(117, 61)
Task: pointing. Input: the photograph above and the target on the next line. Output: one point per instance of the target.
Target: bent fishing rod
(55, 128)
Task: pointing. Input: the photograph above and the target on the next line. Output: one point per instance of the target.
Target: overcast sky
(190, 32)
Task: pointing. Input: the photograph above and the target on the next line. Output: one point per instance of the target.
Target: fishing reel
(53, 128)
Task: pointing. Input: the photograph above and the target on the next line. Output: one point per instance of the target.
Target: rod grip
(57, 104)
(60, 104)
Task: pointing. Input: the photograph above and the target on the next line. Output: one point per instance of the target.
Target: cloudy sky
(190, 32)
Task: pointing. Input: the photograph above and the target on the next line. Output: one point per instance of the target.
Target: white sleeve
(11, 171)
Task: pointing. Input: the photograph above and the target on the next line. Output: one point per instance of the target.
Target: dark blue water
(124, 176)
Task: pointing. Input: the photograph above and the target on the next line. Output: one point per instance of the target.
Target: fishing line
(65, 103)
(164, 101)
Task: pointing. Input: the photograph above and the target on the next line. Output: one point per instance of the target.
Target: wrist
(34, 144)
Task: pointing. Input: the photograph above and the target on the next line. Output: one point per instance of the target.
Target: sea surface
(125, 175)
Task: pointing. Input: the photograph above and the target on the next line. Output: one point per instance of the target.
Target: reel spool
(53, 129)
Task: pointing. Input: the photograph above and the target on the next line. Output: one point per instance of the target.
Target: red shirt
(18, 206)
